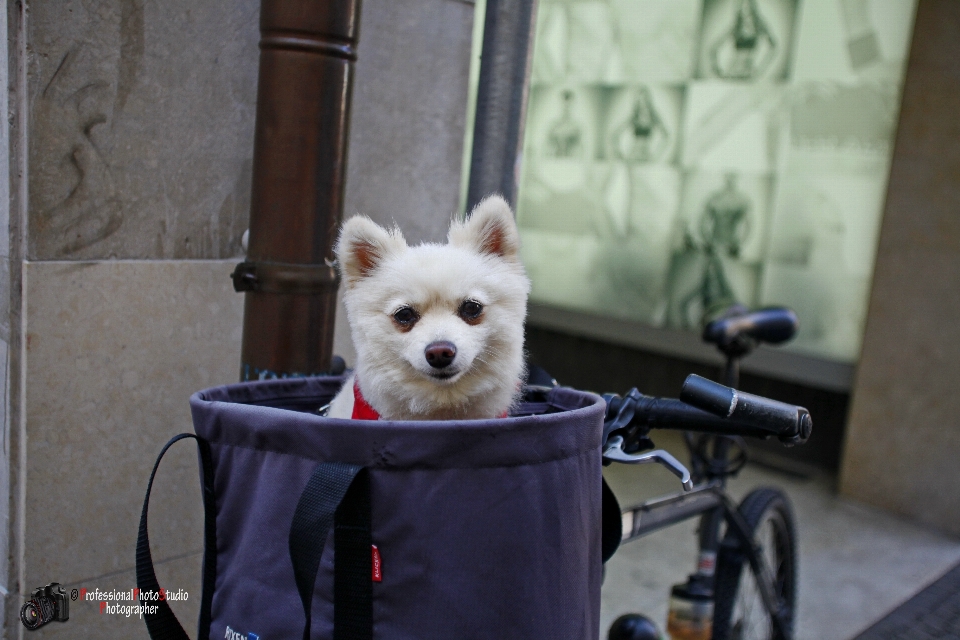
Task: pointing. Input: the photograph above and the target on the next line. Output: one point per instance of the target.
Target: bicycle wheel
(739, 609)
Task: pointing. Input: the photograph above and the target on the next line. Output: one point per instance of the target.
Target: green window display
(685, 154)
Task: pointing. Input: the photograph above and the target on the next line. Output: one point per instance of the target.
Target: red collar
(362, 409)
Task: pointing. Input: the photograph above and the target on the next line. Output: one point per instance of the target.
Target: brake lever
(613, 451)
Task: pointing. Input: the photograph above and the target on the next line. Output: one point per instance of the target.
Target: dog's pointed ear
(362, 247)
(490, 229)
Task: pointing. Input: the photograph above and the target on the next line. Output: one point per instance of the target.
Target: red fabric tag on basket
(376, 572)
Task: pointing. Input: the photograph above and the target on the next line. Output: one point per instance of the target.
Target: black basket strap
(352, 578)
(611, 520)
(163, 623)
(337, 495)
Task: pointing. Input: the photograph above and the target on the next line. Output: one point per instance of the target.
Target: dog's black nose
(440, 354)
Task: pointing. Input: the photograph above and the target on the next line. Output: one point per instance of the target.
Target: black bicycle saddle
(737, 330)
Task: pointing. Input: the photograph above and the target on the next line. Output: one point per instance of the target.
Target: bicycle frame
(706, 496)
(709, 500)
(703, 499)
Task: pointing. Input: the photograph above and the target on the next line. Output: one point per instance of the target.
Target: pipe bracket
(277, 277)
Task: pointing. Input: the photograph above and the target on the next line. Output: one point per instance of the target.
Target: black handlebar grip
(790, 423)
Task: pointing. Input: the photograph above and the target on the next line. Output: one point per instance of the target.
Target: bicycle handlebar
(758, 417)
(790, 423)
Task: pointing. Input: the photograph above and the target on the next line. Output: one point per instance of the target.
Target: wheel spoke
(765, 578)
(750, 614)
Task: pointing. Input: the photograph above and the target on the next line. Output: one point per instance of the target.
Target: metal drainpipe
(502, 90)
(307, 51)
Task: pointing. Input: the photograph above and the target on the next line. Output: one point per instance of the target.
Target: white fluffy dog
(438, 329)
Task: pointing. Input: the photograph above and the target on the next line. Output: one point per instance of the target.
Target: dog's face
(438, 328)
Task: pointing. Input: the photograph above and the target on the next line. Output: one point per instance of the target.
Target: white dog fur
(401, 300)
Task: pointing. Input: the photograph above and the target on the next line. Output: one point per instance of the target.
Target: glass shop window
(680, 155)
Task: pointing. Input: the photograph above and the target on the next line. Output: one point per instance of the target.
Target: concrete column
(903, 436)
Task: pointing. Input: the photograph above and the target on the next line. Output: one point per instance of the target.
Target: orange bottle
(691, 613)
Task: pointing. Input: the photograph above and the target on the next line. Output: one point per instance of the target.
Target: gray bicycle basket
(486, 529)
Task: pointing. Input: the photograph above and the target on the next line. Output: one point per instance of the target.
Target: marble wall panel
(142, 117)
(141, 127)
(114, 350)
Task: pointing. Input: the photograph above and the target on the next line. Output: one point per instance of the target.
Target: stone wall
(133, 138)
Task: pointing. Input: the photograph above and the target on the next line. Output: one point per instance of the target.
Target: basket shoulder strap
(336, 495)
(162, 623)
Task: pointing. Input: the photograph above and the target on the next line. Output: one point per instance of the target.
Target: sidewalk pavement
(934, 613)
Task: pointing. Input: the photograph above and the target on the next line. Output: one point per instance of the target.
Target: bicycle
(745, 582)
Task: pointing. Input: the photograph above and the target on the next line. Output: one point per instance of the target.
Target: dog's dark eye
(470, 310)
(405, 316)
